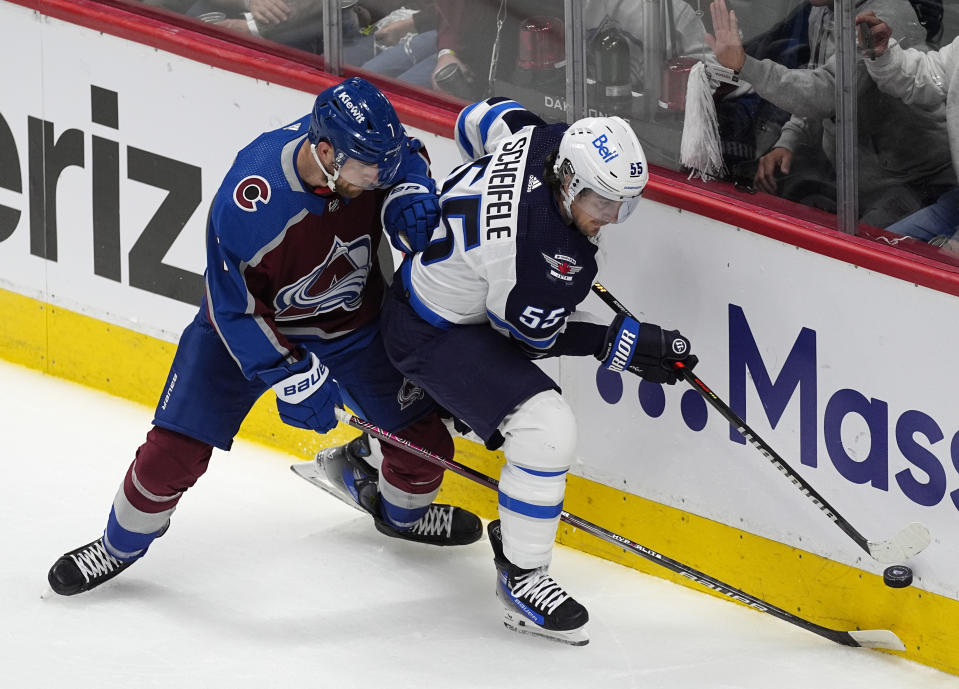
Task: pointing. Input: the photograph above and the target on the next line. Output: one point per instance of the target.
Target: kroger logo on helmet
(605, 152)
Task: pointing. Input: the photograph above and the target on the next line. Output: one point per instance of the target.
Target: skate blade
(312, 472)
(519, 623)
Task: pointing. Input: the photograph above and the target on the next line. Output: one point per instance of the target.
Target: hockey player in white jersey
(513, 257)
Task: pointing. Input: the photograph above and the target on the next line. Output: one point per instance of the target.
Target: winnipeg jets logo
(562, 267)
(409, 393)
(251, 190)
(337, 283)
(533, 183)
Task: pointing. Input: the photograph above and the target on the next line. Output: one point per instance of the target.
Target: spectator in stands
(263, 13)
(928, 80)
(931, 14)
(897, 175)
(296, 23)
(748, 124)
(795, 137)
(408, 36)
(688, 31)
(686, 38)
(481, 37)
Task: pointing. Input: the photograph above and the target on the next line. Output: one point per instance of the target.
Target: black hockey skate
(441, 525)
(359, 450)
(534, 603)
(84, 568)
(344, 473)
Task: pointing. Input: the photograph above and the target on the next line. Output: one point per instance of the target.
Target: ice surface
(264, 581)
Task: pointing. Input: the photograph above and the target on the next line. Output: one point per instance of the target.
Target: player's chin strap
(330, 179)
(564, 188)
(567, 203)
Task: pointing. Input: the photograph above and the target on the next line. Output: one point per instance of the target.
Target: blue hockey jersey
(285, 260)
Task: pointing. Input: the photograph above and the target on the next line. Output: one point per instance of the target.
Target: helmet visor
(369, 175)
(603, 209)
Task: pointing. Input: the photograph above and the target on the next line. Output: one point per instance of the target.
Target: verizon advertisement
(110, 161)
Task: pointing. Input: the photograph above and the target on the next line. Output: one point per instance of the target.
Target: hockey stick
(904, 545)
(867, 638)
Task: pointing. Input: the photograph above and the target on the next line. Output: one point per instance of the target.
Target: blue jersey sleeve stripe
(528, 509)
(545, 474)
(492, 114)
(461, 129)
(545, 343)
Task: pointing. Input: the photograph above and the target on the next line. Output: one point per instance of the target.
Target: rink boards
(112, 150)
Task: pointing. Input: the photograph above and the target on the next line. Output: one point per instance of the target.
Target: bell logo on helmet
(605, 152)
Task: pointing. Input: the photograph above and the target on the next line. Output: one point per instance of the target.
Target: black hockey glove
(645, 349)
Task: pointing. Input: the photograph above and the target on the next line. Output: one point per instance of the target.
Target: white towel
(701, 149)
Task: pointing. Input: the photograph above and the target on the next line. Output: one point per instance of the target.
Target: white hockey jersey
(502, 253)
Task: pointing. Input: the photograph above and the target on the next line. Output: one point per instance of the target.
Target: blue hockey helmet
(361, 125)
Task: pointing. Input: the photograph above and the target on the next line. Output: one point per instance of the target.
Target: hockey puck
(897, 576)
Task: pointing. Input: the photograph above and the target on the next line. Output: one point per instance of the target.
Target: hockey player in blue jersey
(497, 287)
(292, 302)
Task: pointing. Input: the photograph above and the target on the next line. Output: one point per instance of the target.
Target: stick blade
(878, 638)
(903, 546)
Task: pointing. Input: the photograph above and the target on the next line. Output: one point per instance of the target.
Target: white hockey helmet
(603, 154)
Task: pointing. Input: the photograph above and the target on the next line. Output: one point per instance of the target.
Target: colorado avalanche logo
(251, 190)
(562, 267)
(409, 393)
(348, 263)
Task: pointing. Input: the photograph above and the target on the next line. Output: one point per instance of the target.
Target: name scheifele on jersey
(501, 193)
(504, 255)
